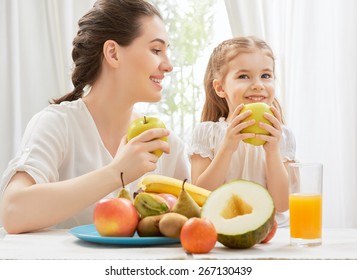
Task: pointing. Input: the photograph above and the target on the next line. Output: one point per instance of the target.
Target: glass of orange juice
(305, 203)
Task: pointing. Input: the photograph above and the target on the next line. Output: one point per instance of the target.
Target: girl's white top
(62, 142)
(248, 161)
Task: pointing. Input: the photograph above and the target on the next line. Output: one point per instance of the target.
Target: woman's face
(144, 62)
(250, 78)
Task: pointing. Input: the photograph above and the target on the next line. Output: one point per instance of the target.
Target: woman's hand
(135, 158)
(272, 143)
(235, 126)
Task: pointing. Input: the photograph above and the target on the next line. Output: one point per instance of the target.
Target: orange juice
(305, 215)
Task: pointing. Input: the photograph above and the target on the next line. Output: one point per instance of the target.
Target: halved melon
(242, 213)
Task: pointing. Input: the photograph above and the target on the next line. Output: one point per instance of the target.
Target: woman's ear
(111, 53)
(218, 87)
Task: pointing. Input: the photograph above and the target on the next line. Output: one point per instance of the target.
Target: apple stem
(145, 121)
(122, 179)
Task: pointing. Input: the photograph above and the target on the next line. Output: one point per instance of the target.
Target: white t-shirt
(62, 142)
(248, 161)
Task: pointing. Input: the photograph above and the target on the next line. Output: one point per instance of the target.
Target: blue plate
(89, 233)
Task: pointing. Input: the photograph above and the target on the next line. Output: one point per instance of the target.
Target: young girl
(241, 71)
(73, 152)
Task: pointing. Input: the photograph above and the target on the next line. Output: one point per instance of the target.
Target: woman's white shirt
(62, 142)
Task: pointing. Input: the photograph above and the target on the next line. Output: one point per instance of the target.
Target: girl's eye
(266, 76)
(243, 76)
(156, 51)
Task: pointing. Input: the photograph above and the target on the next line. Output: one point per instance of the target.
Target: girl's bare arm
(210, 174)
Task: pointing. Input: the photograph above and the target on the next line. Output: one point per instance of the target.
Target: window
(195, 28)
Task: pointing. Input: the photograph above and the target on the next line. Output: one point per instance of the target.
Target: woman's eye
(156, 51)
(243, 76)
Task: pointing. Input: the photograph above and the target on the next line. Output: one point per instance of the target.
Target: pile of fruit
(239, 214)
(173, 214)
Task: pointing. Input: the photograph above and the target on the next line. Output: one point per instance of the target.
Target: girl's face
(250, 78)
(144, 62)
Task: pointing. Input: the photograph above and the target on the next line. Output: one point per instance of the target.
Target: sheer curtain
(35, 61)
(315, 46)
(35, 54)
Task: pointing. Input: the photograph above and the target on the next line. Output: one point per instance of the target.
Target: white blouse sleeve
(41, 150)
(288, 145)
(202, 140)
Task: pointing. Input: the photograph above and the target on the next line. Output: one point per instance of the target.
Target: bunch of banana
(163, 184)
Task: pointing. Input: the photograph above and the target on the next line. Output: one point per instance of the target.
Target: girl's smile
(255, 98)
(249, 79)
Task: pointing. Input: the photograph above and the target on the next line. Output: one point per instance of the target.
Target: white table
(61, 245)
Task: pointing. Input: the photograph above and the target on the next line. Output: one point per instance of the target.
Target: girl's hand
(235, 126)
(135, 158)
(272, 141)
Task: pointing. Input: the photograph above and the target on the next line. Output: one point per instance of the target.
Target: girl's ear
(218, 87)
(110, 53)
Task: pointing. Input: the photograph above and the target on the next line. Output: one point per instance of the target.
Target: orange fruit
(198, 235)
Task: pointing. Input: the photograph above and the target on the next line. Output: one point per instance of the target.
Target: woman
(73, 152)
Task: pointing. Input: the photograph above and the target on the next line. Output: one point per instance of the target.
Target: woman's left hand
(273, 140)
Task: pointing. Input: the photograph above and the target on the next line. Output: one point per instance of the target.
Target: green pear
(124, 193)
(185, 204)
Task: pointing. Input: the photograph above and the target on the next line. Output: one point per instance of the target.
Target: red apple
(271, 233)
(115, 217)
(170, 199)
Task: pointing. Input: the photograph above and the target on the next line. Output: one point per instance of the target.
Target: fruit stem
(183, 184)
(145, 121)
(122, 179)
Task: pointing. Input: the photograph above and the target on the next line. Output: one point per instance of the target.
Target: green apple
(258, 109)
(140, 125)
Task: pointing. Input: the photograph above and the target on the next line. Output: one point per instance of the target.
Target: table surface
(62, 245)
